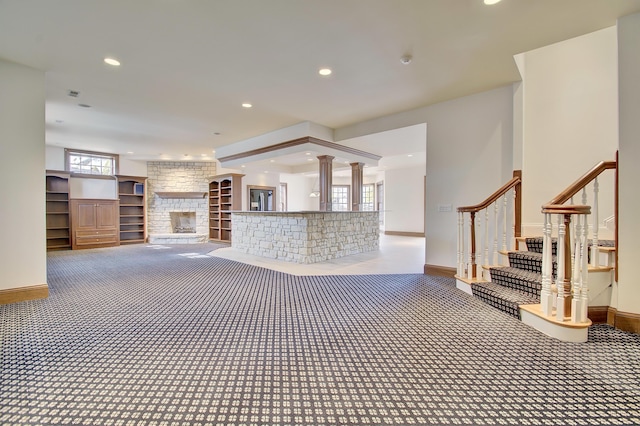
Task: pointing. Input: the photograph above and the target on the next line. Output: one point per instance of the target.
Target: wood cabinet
(225, 195)
(57, 210)
(132, 210)
(94, 223)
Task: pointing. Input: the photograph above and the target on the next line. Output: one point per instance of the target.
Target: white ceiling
(188, 65)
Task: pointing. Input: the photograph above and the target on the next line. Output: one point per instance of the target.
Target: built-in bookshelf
(225, 195)
(58, 225)
(133, 218)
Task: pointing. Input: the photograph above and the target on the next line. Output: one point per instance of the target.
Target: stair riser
(515, 283)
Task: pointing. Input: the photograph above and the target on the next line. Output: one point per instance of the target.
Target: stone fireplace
(177, 202)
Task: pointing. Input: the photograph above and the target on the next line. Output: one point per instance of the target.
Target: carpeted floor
(137, 335)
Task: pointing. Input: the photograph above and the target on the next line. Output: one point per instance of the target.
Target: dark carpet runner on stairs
(519, 283)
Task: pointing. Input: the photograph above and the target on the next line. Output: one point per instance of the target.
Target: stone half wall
(305, 237)
(167, 176)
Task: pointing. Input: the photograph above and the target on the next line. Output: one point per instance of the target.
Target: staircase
(520, 283)
(551, 282)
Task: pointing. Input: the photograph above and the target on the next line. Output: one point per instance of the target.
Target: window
(340, 198)
(368, 197)
(91, 163)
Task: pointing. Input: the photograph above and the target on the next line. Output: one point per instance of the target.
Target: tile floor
(397, 255)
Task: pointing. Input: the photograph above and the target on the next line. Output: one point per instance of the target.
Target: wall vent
(73, 93)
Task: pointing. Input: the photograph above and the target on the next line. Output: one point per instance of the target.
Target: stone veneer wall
(305, 237)
(168, 176)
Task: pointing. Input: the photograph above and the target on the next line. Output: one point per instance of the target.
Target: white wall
(469, 155)
(298, 189)
(570, 119)
(54, 157)
(22, 182)
(629, 234)
(404, 200)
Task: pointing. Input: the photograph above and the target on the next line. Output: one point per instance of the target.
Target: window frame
(371, 187)
(68, 152)
(348, 202)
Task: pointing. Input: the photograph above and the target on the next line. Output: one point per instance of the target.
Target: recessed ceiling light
(490, 2)
(112, 62)
(203, 155)
(266, 171)
(307, 153)
(243, 166)
(324, 71)
(409, 155)
(309, 159)
(129, 152)
(246, 105)
(272, 161)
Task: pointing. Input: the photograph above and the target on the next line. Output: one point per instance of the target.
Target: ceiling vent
(73, 93)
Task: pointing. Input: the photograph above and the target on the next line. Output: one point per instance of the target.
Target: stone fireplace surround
(177, 177)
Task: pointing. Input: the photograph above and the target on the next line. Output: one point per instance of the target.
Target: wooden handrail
(516, 180)
(564, 209)
(577, 186)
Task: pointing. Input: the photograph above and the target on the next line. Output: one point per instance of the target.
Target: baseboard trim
(22, 294)
(404, 234)
(440, 271)
(625, 321)
(598, 314)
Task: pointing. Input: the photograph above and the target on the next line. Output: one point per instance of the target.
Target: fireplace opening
(183, 222)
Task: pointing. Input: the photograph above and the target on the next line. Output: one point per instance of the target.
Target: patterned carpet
(136, 335)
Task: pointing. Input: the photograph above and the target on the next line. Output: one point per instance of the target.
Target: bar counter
(305, 236)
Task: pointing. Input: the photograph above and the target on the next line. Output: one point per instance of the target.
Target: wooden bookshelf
(133, 209)
(225, 195)
(58, 225)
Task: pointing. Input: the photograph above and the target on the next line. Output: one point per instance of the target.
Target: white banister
(495, 233)
(486, 241)
(546, 297)
(469, 250)
(576, 275)
(560, 275)
(478, 259)
(595, 254)
(504, 223)
(459, 243)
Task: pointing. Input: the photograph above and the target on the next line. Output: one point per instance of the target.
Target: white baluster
(459, 244)
(576, 276)
(469, 257)
(546, 298)
(513, 233)
(479, 248)
(504, 224)
(584, 306)
(486, 241)
(495, 233)
(595, 253)
(560, 274)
